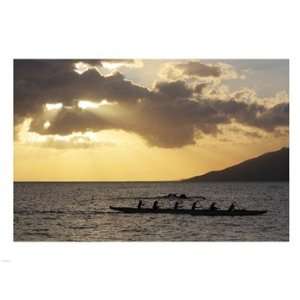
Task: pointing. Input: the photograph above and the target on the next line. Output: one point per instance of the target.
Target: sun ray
(53, 106)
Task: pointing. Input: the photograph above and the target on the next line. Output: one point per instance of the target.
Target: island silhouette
(271, 166)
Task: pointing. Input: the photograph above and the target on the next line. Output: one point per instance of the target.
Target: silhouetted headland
(271, 166)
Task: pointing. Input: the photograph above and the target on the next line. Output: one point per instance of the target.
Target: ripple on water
(80, 211)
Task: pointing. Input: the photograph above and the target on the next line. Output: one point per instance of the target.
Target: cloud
(196, 70)
(173, 89)
(249, 96)
(277, 116)
(37, 82)
(72, 141)
(76, 142)
(113, 64)
(199, 88)
(170, 115)
(239, 130)
(166, 122)
(281, 132)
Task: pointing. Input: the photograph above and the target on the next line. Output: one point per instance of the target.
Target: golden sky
(131, 120)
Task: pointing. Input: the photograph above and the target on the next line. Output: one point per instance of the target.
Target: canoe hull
(197, 212)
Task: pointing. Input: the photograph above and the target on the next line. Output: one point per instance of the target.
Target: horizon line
(148, 181)
(117, 181)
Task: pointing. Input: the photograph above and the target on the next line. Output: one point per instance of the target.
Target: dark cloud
(173, 89)
(68, 121)
(277, 116)
(168, 123)
(200, 87)
(166, 116)
(37, 82)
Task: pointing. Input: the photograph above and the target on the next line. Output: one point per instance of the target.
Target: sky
(136, 120)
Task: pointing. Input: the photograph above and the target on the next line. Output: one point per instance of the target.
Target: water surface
(80, 212)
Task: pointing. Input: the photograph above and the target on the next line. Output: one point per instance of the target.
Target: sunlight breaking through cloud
(195, 100)
(86, 104)
(53, 106)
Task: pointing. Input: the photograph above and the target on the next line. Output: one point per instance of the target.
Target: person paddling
(176, 206)
(140, 204)
(155, 205)
(213, 206)
(231, 207)
(194, 206)
(183, 196)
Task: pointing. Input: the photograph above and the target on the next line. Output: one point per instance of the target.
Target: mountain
(271, 166)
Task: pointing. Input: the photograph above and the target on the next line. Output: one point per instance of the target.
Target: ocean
(79, 211)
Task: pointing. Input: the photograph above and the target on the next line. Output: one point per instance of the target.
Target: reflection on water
(80, 212)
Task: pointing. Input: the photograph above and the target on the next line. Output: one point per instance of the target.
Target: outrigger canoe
(196, 212)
